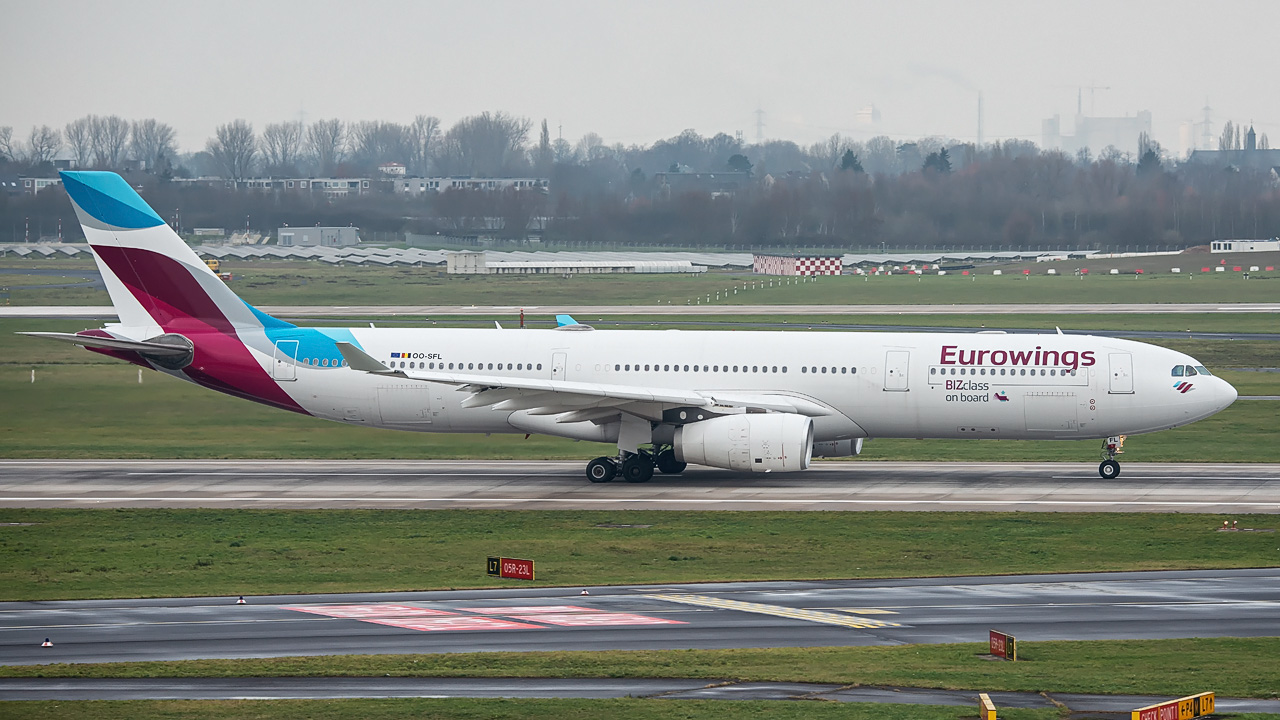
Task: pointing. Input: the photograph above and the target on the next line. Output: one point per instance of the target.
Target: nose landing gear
(1109, 469)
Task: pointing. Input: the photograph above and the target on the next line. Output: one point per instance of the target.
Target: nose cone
(1226, 394)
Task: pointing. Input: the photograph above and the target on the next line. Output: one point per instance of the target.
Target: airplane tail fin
(153, 277)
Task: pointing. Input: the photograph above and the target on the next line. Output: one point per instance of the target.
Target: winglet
(360, 360)
(562, 320)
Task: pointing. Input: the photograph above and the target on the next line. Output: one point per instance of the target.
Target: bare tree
(79, 136)
(325, 142)
(110, 137)
(486, 145)
(152, 143)
(543, 156)
(234, 148)
(590, 147)
(43, 144)
(374, 142)
(281, 146)
(6, 143)
(424, 133)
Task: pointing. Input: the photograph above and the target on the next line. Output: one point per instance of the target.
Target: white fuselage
(905, 385)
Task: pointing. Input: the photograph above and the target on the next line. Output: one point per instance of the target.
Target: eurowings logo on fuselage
(1002, 396)
(1074, 359)
(1183, 387)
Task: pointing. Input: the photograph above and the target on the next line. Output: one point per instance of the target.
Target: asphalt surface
(336, 688)
(1086, 606)
(307, 311)
(835, 485)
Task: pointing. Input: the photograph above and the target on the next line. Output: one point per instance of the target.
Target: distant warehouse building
(797, 264)
(317, 236)
(476, 263)
(1225, 246)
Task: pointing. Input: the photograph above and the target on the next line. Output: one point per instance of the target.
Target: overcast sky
(634, 72)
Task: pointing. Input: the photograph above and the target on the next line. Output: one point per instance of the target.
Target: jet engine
(755, 442)
(838, 448)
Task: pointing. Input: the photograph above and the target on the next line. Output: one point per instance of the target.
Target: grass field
(1232, 667)
(305, 283)
(631, 708)
(77, 554)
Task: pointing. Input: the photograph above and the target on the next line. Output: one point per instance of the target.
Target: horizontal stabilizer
(146, 347)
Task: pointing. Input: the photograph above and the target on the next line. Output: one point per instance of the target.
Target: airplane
(749, 401)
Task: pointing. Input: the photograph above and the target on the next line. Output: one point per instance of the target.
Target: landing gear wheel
(601, 470)
(668, 464)
(637, 468)
(1109, 469)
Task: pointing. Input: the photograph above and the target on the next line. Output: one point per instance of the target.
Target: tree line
(839, 192)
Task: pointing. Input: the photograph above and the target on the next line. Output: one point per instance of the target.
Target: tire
(1109, 469)
(668, 464)
(637, 469)
(601, 470)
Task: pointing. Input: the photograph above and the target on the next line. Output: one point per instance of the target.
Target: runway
(1085, 606)
(832, 485)
(583, 312)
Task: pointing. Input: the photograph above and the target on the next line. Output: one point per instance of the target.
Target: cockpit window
(1190, 371)
(1177, 371)
(1202, 370)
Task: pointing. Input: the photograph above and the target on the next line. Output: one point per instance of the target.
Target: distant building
(391, 168)
(33, 185)
(1096, 133)
(420, 185)
(1250, 156)
(715, 183)
(797, 265)
(317, 236)
(1235, 246)
(213, 232)
(471, 262)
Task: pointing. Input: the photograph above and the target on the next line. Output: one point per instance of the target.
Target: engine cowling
(764, 442)
(838, 448)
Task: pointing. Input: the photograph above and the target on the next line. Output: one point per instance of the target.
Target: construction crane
(1093, 89)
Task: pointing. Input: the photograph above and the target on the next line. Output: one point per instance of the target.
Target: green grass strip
(85, 553)
(503, 709)
(1235, 667)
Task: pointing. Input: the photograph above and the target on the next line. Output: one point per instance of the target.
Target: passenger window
(666, 368)
(1190, 371)
(824, 371)
(695, 368)
(490, 366)
(933, 371)
(804, 369)
(755, 368)
(853, 371)
(539, 366)
(617, 367)
(646, 368)
(686, 368)
(775, 368)
(784, 368)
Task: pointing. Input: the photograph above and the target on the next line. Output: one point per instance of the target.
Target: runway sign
(510, 568)
(1002, 645)
(986, 708)
(1192, 706)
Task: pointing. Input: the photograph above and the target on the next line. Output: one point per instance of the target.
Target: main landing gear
(1112, 446)
(635, 467)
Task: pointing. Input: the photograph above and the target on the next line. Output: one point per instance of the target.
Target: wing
(582, 401)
